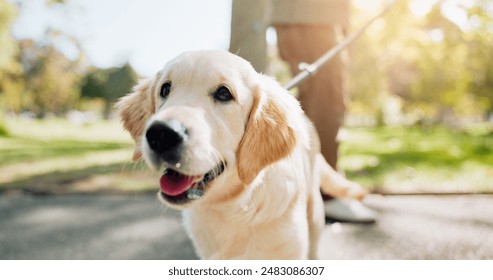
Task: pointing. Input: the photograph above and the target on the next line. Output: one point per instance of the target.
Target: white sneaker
(349, 210)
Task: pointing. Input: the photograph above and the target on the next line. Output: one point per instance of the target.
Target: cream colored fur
(267, 203)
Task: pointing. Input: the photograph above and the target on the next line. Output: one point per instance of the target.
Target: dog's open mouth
(179, 188)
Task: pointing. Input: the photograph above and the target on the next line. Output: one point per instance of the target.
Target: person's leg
(322, 97)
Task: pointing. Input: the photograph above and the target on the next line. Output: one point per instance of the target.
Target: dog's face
(212, 122)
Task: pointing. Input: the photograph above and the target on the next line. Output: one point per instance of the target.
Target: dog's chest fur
(268, 220)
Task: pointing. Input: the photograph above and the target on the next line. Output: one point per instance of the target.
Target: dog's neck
(256, 203)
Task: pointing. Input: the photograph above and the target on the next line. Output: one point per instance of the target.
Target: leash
(308, 70)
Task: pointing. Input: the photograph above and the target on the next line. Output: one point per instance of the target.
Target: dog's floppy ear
(135, 109)
(268, 137)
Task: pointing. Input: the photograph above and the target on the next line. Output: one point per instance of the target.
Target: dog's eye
(165, 89)
(223, 94)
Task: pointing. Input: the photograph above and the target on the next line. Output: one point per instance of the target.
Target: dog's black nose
(165, 138)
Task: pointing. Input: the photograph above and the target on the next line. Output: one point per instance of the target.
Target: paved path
(138, 227)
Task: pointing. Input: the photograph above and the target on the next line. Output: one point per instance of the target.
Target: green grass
(55, 156)
(29, 150)
(3, 129)
(410, 159)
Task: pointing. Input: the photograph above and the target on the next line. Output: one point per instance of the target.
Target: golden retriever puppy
(238, 157)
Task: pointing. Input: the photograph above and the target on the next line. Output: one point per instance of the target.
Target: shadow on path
(139, 227)
(90, 227)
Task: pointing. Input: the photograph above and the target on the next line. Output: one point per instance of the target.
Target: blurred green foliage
(108, 84)
(438, 68)
(8, 65)
(8, 45)
(51, 81)
(37, 77)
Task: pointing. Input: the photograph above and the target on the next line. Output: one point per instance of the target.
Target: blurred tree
(108, 84)
(379, 55)
(442, 73)
(438, 66)
(480, 46)
(51, 80)
(455, 62)
(93, 83)
(7, 43)
(9, 67)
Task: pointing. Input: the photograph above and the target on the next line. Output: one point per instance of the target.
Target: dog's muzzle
(166, 140)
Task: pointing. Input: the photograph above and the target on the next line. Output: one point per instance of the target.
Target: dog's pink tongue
(173, 183)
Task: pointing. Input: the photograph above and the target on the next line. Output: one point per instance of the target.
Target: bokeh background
(420, 79)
